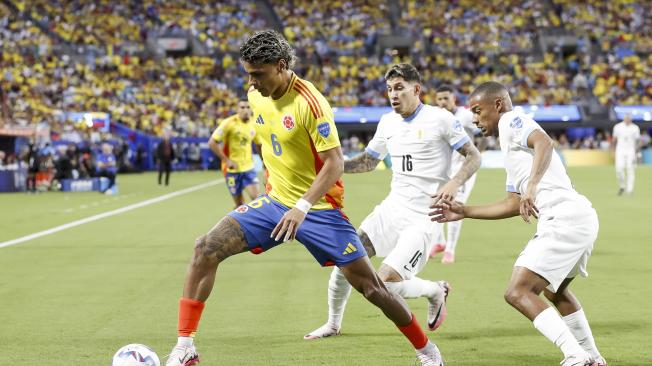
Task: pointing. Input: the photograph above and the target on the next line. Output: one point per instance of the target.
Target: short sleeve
(219, 133)
(518, 128)
(377, 147)
(509, 186)
(257, 140)
(454, 132)
(320, 124)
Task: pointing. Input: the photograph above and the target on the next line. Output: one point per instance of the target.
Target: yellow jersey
(237, 137)
(293, 129)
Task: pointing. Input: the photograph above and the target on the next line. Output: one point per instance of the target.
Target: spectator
(165, 154)
(645, 139)
(194, 156)
(107, 166)
(30, 157)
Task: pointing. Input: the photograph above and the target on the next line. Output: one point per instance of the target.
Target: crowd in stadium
(455, 42)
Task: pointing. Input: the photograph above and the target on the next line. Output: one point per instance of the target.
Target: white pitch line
(109, 213)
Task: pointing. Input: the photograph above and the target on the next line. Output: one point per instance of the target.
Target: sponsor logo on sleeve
(242, 209)
(324, 129)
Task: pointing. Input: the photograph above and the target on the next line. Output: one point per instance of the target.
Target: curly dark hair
(267, 47)
(406, 71)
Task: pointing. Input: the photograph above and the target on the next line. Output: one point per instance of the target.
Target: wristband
(303, 205)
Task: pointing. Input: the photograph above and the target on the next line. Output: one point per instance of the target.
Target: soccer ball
(135, 355)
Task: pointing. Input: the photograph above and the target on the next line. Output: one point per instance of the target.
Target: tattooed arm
(472, 161)
(471, 164)
(361, 163)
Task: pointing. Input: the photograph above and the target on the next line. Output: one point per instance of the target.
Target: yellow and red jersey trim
(313, 102)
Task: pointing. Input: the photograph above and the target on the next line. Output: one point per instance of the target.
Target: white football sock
(339, 290)
(631, 177)
(427, 349)
(550, 324)
(185, 341)
(620, 174)
(579, 326)
(454, 228)
(413, 288)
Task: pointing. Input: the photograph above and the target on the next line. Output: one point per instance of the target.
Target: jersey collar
(414, 114)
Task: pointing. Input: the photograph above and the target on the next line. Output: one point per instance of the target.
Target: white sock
(427, 349)
(185, 341)
(630, 179)
(454, 228)
(413, 288)
(620, 174)
(579, 326)
(550, 324)
(339, 290)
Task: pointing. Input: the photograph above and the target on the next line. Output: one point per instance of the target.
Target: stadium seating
(342, 56)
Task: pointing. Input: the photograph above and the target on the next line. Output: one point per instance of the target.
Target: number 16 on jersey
(407, 163)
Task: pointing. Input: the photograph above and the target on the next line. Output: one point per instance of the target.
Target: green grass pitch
(75, 297)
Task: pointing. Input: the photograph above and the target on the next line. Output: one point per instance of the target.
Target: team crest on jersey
(457, 126)
(288, 122)
(516, 123)
(242, 209)
(324, 129)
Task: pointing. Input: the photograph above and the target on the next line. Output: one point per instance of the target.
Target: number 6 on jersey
(276, 146)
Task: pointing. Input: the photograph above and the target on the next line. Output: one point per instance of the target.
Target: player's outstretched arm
(330, 172)
(446, 210)
(361, 163)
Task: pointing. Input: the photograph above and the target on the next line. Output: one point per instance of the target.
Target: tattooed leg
(366, 243)
(222, 241)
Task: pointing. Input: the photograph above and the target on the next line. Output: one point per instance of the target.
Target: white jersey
(627, 137)
(555, 186)
(420, 147)
(465, 117)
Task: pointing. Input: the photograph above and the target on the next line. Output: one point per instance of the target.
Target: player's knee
(200, 255)
(513, 296)
(375, 292)
(205, 252)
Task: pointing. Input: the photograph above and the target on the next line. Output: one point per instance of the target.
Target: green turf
(75, 297)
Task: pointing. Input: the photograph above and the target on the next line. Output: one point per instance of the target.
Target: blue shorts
(236, 182)
(327, 234)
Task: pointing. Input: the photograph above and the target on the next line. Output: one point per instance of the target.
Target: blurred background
(75, 74)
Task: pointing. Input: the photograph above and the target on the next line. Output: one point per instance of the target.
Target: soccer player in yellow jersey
(302, 153)
(231, 142)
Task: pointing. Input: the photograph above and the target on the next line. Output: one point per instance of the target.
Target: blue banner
(552, 113)
(640, 113)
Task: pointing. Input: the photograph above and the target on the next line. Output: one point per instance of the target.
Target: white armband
(303, 205)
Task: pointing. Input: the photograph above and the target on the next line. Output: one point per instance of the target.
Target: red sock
(414, 333)
(189, 315)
